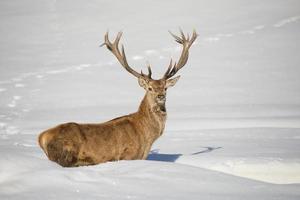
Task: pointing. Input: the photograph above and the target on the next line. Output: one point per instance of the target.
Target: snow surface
(233, 130)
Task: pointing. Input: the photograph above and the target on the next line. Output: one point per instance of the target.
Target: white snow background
(233, 128)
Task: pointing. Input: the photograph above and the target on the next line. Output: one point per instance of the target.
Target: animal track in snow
(286, 21)
(57, 71)
(24, 144)
(39, 76)
(82, 66)
(253, 30)
(13, 103)
(247, 32)
(224, 35)
(28, 74)
(137, 57)
(212, 39)
(79, 68)
(259, 27)
(228, 35)
(85, 65)
(150, 52)
(25, 110)
(16, 79)
(19, 85)
(12, 130)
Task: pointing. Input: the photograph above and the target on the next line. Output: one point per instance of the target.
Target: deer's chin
(162, 107)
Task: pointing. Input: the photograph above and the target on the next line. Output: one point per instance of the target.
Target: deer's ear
(143, 83)
(172, 82)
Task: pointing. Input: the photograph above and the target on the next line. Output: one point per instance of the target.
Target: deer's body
(125, 138)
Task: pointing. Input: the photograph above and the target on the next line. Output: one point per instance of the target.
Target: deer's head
(156, 89)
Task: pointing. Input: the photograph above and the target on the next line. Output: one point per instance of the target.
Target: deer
(129, 137)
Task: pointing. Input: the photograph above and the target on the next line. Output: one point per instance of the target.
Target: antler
(120, 55)
(186, 44)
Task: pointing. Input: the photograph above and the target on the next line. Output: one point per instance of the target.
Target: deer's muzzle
(161, 99)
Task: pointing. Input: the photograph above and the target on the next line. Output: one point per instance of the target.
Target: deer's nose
(161, 97)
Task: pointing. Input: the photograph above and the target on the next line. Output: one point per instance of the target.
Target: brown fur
(125, 138)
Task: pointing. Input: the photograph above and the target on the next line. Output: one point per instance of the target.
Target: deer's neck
(152, 116)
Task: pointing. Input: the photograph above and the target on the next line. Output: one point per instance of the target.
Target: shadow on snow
(156, 156)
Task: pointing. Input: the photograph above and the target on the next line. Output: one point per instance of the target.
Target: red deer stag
(125, 138)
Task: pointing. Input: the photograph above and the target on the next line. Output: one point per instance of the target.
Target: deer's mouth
(162, 108)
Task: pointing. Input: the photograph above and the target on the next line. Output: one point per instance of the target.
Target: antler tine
(169, 68)
(186, 44)
(182, 34)
(121, 56)
(117, 40)
(149, 70)
(106, 41)
(194, 36)
(177, 39)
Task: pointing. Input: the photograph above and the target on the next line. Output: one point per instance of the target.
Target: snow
(233, 128)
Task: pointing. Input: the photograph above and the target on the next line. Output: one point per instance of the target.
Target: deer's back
(73, 144)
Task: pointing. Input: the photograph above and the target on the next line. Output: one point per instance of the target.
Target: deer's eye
(150, 89)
